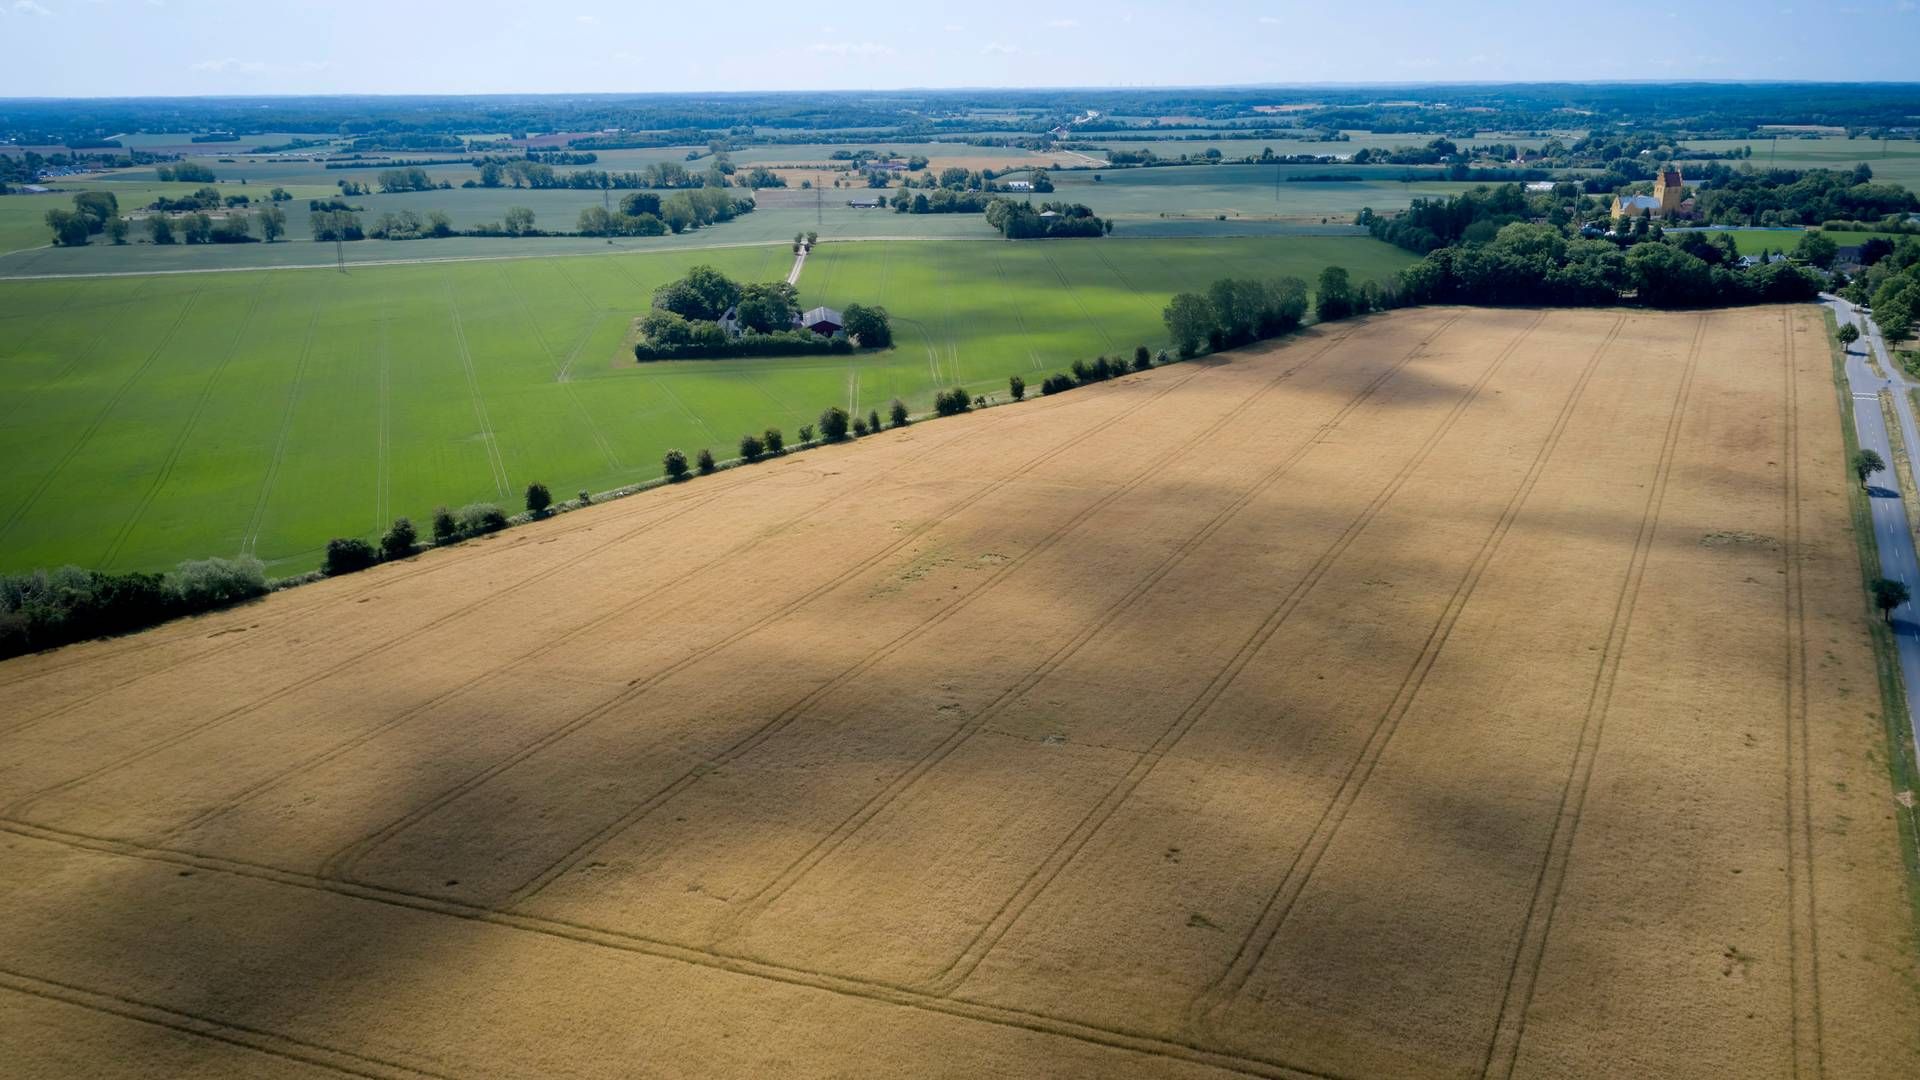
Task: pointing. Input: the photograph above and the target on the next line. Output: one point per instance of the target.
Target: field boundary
(1903, 774)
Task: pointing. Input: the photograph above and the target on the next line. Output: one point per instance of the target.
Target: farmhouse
(823, 321)
(1019, 185)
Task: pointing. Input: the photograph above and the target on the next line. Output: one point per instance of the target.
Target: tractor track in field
(342, 863)
(99, 419)
(1280, 901)
(250, 540)
(179, 444)
(1503, 1045)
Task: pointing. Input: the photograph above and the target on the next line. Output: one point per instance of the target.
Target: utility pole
(340, 252)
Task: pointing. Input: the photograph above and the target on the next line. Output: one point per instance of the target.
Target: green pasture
(154, 418)
(1242, 191)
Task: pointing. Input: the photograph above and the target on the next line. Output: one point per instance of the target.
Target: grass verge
(1901, 771)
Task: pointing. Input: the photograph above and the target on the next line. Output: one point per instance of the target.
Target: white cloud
(852, 48)
(1063, 24)
(953, 28)
(997, 48)
(586, 20)
(29, 7)
(1269, 20)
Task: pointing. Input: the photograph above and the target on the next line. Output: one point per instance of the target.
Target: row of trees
(188, 172)
(1236, 311)
(835, 425)
(1891, 286)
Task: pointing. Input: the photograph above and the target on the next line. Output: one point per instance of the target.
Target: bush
(1142, 359)
(833, 424)
(1017, 386)
(212, 583)
(400, 540)
(806, 433)
(873, 420)
(587, 500)
(1163, 358)
(475, 519)
(898, 413)
(445, 529)
(705, 463)
(775, 441)
(675, 464)
(348, 555)
(538, 499)
(1055, 384)
(951, 402)
(751, 447)
(859, 427)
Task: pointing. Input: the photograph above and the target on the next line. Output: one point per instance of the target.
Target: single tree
(705, 463)
(774, 441)
(806, 433)
(1889, 594)
(1017, 386)
(833, 423)
(538, 499)
(1865, 464)
(348, 554)
(1142, 359)
(897, 412)
(117, 230)
(1334, 298)
(859, 427)
(751, 447)
(675, 464)
(873, 420)
(445, 529)
(273, 223)
(400, 540)
(1848, 334)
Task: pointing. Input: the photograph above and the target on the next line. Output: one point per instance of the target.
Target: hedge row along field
(147, 420)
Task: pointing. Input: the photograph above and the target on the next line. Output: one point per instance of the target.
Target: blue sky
(132, 47)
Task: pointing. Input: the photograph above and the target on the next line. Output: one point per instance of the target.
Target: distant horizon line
(1435, 84)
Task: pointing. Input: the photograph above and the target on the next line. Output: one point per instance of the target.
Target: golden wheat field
(1451, 693)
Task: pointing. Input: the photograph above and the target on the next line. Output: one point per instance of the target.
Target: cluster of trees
(942, 201)
(522, 172)
(763, 178)
(407, 225)
(206, 198)
(1019, 220)
(189, 172)
(93, 213)
(201, 228)
(1791, 197)
(1540, 264)
(684, 322)
(644, 213)
(45, 608)
(1235, 311)
(1891, 286)
(414, 179)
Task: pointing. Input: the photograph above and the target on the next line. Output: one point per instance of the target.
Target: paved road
(799, 260)
(1897, 556)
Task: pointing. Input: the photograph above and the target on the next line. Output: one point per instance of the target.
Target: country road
(1895, 539)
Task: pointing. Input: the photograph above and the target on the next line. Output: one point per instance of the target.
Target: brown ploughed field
(1451, 693)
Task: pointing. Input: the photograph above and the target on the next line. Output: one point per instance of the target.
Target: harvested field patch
(1447, 693)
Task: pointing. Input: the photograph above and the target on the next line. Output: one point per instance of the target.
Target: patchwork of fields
(151, 419)
(1171, 727)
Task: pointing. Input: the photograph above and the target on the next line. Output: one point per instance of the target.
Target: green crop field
(154, 418)
(1896, 160)
(1246, 191)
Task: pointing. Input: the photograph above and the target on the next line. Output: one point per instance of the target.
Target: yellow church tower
(1668, 190)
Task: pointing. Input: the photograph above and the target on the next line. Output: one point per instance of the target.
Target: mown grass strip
(1901, 770)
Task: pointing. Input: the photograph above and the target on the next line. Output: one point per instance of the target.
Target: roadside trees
(1889, 594)
(1865, 464)
(1848, 334)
